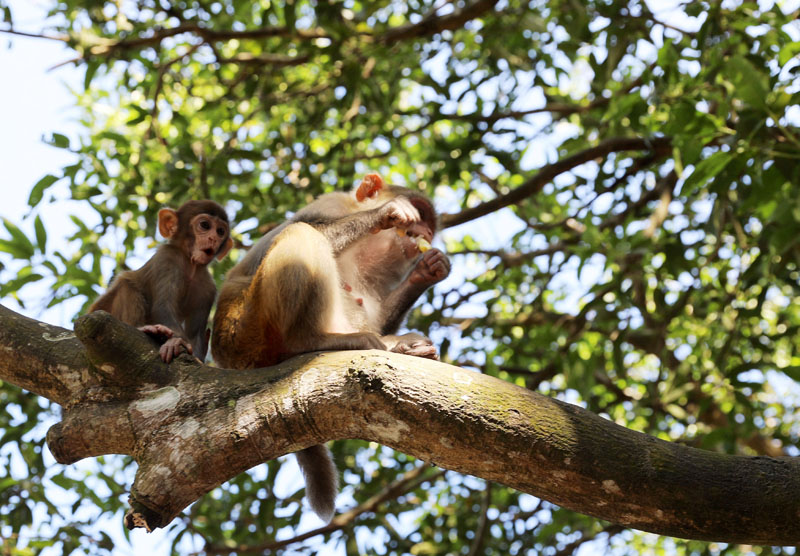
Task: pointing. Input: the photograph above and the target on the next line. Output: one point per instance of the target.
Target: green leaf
(41, 234)
(13, 286)
(705, 170)
(38, 190)
(91, 68)
(13, 249)
(59, 140)
(788, 52)
(750, 84)
(20, 242)
(792, 372)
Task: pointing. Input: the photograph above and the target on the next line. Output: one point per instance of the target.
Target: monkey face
(210, 238)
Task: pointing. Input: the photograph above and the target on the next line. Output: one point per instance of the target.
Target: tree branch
(549, 172)
(432, 24)
(62, 38)
(191, 427)
(407, 482)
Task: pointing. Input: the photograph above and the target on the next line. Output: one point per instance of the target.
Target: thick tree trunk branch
(191, 427)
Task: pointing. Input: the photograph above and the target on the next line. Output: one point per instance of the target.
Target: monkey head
(412, 234)
(199, 228)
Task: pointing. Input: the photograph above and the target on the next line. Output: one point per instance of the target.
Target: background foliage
(618, 184)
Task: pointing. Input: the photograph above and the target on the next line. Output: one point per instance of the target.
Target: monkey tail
(322, 480)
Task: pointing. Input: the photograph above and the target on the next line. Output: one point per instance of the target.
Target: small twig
(483, 521)
(407, 482)
(162, 70)
(62, 38)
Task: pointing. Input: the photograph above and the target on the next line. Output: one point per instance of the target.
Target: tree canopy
(617, 190)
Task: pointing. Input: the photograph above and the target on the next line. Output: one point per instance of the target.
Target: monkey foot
(157, 331)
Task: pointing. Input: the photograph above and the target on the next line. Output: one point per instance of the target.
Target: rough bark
(191, 427)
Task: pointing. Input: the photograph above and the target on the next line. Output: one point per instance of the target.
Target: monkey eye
(221, 232)
(205, 225)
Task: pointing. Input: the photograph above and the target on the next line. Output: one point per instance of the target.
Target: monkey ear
(224, 249)
(168, 222)
(370, 186)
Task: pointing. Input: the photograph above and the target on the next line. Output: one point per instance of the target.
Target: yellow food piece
(422, 243)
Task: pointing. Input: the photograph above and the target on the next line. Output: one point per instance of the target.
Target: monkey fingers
(398, 213)
(174, 347)
(433, 267)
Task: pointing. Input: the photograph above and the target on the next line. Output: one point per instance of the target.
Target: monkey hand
(412, 344)
(432, 267)
(397, 213)
(174, 347)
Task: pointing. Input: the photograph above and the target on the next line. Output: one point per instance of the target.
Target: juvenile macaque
(171, 295)
(336, 276)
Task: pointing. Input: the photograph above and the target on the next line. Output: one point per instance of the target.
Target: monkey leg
(298, 291)
(292, 304)
(124, 301)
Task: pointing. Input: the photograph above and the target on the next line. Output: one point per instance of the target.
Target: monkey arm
(397, 305)
(168, 283)
(432, 267)
(342, 232)
(197, 321)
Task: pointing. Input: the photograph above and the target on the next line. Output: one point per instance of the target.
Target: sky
(34, 103)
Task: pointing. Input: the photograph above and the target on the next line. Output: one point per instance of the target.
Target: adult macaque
(171, 295)
(341, 274)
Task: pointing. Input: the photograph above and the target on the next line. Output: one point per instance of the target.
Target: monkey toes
(159, 332)
(427, 351)
(416, 345)
(173, 348)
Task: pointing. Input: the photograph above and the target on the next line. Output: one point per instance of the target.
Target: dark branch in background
(208, 35)
(406, 483)
(517, 258)
(61, 38)
(274, 60)
(549, 172)
(102, 46)
(162, 69)
(585, 537)
(432, 24)
(483, 521)
(562, 109)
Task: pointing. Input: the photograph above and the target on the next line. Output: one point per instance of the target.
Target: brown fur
(335, 276)
(172, 293)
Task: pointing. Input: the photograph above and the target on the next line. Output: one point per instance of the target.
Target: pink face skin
(408, 243)
(423, 227)
(210, 234)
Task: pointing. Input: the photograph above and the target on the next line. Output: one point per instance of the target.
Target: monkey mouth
(420, 230)
(209, 252)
